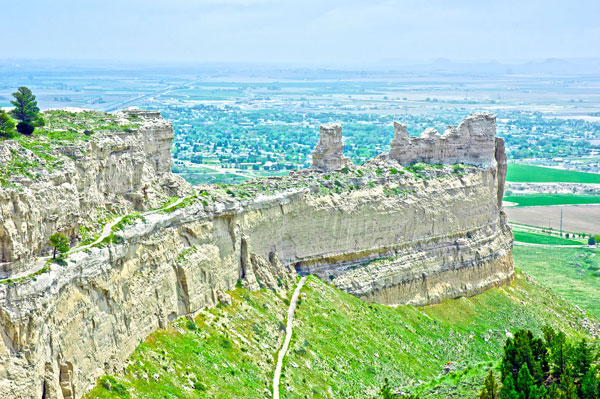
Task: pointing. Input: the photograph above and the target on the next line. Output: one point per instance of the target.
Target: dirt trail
(106, 231)
(288, 337)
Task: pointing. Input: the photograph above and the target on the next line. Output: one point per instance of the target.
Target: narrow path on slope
(106, 231)
(288, 337)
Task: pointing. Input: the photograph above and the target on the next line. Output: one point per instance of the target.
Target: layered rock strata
(381, 231)
(118, 172)
(472, 142)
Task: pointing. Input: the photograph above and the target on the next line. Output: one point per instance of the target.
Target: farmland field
(552, 199)
(576, 218)
(533, 238)
(539, 174)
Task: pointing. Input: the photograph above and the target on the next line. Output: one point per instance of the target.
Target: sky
(306, 32)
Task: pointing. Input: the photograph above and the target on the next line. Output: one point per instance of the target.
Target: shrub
(7, 126)
(25, 128)
(191, 325)
(60, 243)
(111, 384)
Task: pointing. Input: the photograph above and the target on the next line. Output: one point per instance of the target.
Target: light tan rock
(441, 237)
(119, 172)
(328, 155)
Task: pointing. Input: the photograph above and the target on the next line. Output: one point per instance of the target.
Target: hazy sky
(305, 32)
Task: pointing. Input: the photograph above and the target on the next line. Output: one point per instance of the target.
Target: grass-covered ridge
(341, 347)
(539, 174)
(552, 199)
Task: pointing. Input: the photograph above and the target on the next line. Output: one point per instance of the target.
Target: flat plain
(539, 174)
(552, 199)
(576, 218)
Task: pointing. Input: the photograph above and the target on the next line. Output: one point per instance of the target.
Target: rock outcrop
(116, 172)
(382, 232)
(328, 155)
(472, 142)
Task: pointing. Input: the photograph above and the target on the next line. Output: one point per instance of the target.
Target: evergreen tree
(490, 390)
(26, 108)
(554, 392)
(508, 388)
(537, 392)
(524, 382)
(589, 385)
(568, 384)
(558, 354)
(7, 126)
(582, 359)
(60, 243)
(540, 353)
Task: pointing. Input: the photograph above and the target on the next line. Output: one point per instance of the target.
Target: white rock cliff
(380, 232)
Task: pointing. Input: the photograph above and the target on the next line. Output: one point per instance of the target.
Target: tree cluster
(544, 368)
(26, 112)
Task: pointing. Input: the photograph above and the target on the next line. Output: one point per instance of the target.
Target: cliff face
(383, 232)
(62, 189)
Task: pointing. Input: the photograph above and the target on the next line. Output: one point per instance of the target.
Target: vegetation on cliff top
(341, 347)
(34, 153)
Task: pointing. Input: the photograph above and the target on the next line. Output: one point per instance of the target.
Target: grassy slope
(533, 238)
(571, 272)
(228, 352)
(552, 199)
(342, 346)
(539, 174)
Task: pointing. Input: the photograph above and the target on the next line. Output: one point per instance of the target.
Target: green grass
(571, 272)
(533, 238)
(539, 174)
(552, 199)
(342, 347)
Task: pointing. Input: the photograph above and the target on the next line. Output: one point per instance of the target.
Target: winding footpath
(288, 337)
(106, 231)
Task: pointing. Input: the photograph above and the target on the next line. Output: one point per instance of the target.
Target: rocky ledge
(395, 230)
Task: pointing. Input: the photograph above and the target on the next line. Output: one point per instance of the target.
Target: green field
(342, 347)
(552, 199)
(539, 174)
(534, 238)
(573, 273)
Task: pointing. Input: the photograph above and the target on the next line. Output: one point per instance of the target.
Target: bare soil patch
(576, 218)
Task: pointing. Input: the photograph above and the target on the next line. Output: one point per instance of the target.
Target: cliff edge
(403, 228)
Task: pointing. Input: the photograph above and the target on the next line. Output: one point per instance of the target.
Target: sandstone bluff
(418, 225)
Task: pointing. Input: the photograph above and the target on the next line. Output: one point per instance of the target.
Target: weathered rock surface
(119, 172)
(328, 155)
(391, 237)
(472, 142)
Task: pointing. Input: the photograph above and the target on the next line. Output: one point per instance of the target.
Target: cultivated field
(533, 238)
(576, 218)
(539, 174)
(552, 199)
